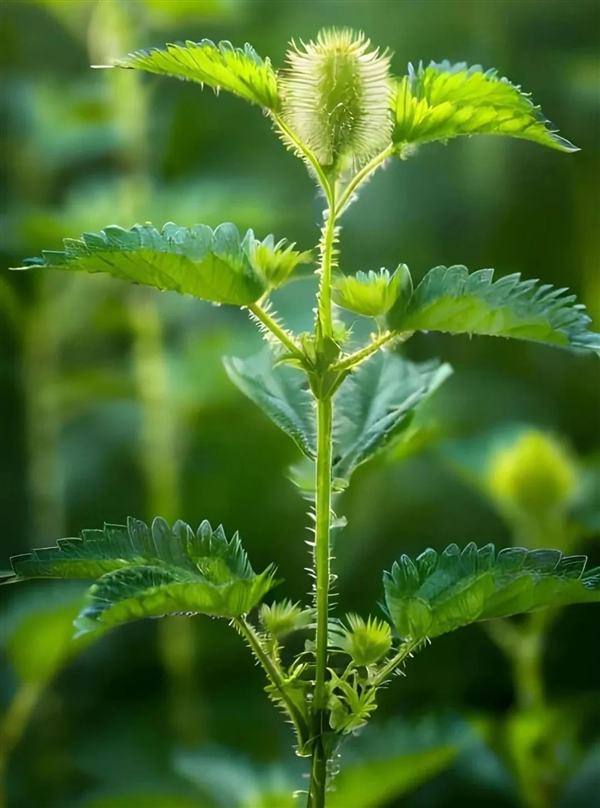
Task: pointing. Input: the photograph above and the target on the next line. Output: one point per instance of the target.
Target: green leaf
(450, 299)
(372, 294)
(280, 392)
(146, 801)
(152, 571)
(37, 631)
(376, 404)
(239, 71)
(442, 592)
(336, 96)
(374, 783)
(442, 101)
(372, 408)
(211, 265)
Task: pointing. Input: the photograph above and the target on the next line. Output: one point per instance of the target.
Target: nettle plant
(338, 108)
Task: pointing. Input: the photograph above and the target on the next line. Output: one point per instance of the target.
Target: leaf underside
(372, 407)
(443, 101)
(151, 571)
(280, 391)
(376, 404)
(450, 299)
(211, 265)
(440, 592)
(221, 66)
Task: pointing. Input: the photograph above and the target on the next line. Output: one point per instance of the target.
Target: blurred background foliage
(115, 402)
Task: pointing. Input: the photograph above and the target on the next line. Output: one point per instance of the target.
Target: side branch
(271, 668)
(362, 176)
(354, 359)
(273, 326)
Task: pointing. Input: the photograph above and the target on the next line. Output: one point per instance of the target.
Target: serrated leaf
(211, 265)
(450, 299)
(238, 70)
(375, 405)
(336, 96)
(440, 592)
(280, 392)
(443, 101)
(371, 294)
(151, 571)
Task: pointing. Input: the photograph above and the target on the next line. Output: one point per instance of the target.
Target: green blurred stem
(273, 326)
(41, 348)
(14, 722)
(524, 646)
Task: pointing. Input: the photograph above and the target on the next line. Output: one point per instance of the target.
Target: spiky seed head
(336, 98)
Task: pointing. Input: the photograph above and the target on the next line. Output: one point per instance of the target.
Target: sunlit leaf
(440, 592)
(152, 571)
(280, 392)
(376, 404)
(335, 97)
(443, 100)
(238, 70)
(211, 265)
(450, 299)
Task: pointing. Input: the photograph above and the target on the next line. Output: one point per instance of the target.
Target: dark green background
(72, 421)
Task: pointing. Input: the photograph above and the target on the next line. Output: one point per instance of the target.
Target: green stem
(304, 151)
(318, 778)
(350, 361)
(362, 176)
(14, 722)
(271, 668)
(317, 788)
(274, 327)
(405, 650)
(327, 244)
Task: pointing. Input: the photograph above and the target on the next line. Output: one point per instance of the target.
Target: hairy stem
(306, 153)
(271, 668)
(388, 669)
(318, 779)
(327, 247)
(362, 176)
(273, 326)
(350, 361)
